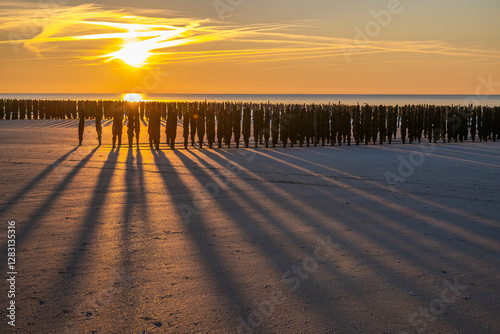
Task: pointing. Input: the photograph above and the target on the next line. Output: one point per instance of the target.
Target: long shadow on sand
(67, 286)
(382, 238)
(25, 230)
(198, 232)
(35, 181)
(259, 237)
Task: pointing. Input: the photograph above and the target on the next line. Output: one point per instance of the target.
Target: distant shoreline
(385, 99)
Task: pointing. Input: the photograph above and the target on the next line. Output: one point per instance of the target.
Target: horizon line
(271, 94)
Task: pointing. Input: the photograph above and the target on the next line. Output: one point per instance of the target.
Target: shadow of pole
(28, 227)
(274, 251)
(33, 183)
(67, 286)
(384, 238)
(199, 233)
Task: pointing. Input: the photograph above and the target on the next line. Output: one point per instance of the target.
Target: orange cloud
(138, 40)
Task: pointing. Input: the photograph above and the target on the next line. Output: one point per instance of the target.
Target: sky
(250, 47)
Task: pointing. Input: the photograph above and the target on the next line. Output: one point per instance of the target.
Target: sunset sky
(249, 46)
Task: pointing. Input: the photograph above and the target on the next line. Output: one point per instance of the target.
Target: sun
(140, 41)
(132, 97)
(132, 54)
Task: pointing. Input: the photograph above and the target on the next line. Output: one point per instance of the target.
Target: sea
(350, 99)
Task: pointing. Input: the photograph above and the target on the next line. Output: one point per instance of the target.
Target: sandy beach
(360, 239)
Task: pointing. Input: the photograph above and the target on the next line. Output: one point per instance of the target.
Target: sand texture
(309, 240)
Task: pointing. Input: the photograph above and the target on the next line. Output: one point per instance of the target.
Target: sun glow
(132, 97)
(136, 52)
(131, 54)
(92, 34)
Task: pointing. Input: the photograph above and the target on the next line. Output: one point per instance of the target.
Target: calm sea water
(486, 100)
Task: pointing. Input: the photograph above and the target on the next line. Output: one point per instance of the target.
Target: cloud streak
(138, 38)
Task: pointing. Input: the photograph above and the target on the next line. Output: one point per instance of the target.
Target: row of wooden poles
(224, 123)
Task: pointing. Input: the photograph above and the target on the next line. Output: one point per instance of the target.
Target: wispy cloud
(138, 37)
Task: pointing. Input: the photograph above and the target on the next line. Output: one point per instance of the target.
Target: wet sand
(312, 240)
